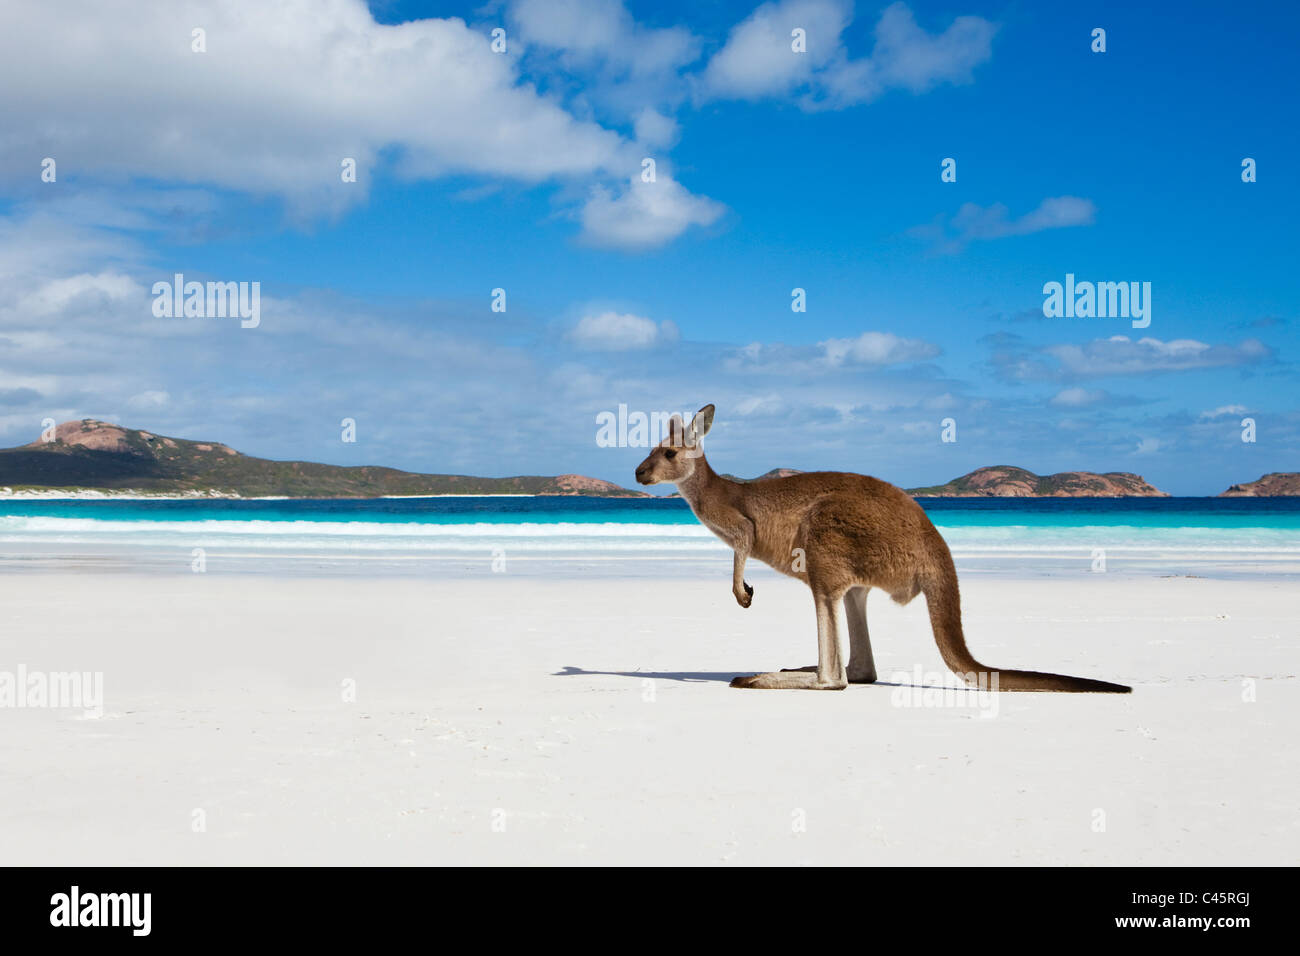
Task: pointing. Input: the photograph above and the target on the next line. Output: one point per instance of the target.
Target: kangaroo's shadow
(696, 676)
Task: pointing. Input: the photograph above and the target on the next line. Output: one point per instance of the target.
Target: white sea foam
(611, 536)
(360, 535)
(527, 529)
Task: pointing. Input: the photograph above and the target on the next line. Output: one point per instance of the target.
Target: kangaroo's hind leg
(862, 666)
(829, 672)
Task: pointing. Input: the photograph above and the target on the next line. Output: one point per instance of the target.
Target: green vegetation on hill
(96, 455)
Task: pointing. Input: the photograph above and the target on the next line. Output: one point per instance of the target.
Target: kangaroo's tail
(944, 601)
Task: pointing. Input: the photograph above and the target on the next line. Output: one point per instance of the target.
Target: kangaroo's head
(673, 459)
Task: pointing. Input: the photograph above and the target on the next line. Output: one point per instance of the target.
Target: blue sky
(774, 170)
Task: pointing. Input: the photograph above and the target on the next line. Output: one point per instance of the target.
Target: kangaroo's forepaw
(788, 680)
(745, 598)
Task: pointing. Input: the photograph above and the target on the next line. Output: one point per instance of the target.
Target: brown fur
(841, 534)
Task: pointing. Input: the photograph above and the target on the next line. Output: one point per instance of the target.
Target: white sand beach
(513, 719)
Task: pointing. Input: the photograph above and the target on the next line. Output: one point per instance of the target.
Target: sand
(508, 719)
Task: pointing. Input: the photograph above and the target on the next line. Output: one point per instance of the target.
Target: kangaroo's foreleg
(829, 674)
(862, 666)
(741, 545)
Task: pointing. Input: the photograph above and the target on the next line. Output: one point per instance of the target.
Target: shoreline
(95, 494)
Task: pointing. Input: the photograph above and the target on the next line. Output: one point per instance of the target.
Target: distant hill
(1277, 484)
(1006, 481)
(90, 454)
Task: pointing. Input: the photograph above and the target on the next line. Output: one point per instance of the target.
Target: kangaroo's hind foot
(855, 677)
(803, 679)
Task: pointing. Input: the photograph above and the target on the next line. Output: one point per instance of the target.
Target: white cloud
(1078, 397)
(603, 30)
(621, 332)
(908, 57)
(973, 222)
(1120, 355)
(84, 290)
(759, 405)
(1014, 360)
(1223, 410)
(876, 348)
(758, 59)
(654, 129)
(149, 400)
(38, 246)
(282, 94)
(1056, 213)
(606, 59)
(286, 91)
(942, 403)
(644, 214)
(840, 361)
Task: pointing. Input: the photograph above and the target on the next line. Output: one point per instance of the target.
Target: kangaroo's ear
(676, 431)
(700, 425)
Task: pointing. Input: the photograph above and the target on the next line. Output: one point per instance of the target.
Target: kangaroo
(841, 534)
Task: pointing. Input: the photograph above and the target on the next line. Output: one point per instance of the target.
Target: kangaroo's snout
(654, 469)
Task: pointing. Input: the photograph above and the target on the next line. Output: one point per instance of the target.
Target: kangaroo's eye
(670, 454)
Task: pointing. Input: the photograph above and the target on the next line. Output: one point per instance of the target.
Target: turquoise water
(1263, 528)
